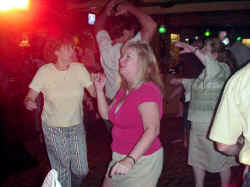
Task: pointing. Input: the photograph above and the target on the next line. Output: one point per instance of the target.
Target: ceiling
(182, 13)
(167, 6)
(173, 13)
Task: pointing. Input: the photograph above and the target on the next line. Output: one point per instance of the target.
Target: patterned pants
(67, 152)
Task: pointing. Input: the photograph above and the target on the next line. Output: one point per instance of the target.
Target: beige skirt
(145, 173)
(202, 153)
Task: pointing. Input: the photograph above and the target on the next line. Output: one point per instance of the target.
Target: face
(207, 48)
(66, 54)
(222, 35)
(129, 64)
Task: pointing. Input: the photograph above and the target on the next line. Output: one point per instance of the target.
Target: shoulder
(76, 66)
(240, 79)
(149, 90)
(102, 35)
(46, 67)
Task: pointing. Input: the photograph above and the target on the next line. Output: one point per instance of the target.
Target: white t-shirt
(63, 93)
(110, 55)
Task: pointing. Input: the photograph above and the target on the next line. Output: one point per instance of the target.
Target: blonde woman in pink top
(136, 111)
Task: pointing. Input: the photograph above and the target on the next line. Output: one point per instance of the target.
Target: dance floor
(27, 162)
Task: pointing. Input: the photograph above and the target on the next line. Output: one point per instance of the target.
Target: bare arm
(229, 149)
(91, 90)
(191, 49)
(99, 82)
(151, 123)
(148, 25)
(101, 19)
(30, 100)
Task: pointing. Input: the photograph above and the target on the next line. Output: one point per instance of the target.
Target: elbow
(157, 131)
(154, 131)
(222, 148)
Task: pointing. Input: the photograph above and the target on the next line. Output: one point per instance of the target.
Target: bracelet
(132, 158)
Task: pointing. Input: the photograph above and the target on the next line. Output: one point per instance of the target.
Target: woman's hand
(99, 80)
(122, 167)
(30, 104)
(186, 47)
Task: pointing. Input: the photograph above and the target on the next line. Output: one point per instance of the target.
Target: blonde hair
(150, 69)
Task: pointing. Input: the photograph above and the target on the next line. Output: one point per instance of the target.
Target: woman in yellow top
(62, 84)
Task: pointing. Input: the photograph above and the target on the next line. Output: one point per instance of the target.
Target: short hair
(147, 58)
(117, 24)
(54, 43)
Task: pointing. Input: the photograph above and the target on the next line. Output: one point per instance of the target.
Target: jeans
(67, 152)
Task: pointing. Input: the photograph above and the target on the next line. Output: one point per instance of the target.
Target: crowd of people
(128, 89)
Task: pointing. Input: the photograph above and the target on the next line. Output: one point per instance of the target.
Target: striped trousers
(67, 152)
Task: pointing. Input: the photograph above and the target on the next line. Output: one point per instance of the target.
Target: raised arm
(101, 19)
(148, 25)
(91, 90)
(99, 82)
(186, 48)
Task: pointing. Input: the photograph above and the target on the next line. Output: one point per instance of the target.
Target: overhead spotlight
(6, 5)
(239, 38)
(162, 29)
(207, 33)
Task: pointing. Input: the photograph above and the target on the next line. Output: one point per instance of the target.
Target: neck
(135, 85)
(61, 66)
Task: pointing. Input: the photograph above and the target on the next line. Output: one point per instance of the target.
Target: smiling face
(130, 65)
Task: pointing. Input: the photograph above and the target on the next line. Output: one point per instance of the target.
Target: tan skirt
(202, 153)
(145, 172)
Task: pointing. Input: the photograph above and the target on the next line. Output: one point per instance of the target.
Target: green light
(162, 29)
(239, 38)
(207, 33)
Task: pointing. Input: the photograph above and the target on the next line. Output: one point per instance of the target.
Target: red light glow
(6, 5)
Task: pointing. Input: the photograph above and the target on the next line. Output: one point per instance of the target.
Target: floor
(28, 164)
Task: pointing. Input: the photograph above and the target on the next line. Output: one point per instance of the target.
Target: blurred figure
(231, 122)
(136, 111)
(205, 93)
(189, 67)
(120, 32)
(62, 83)
(240, 52)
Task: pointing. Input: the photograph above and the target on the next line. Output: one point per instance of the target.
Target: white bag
(51, 179)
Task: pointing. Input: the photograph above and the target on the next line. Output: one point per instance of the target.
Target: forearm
(148, 25)
(144, 143)
(199, 55)
(229, 149)
(102, 104)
